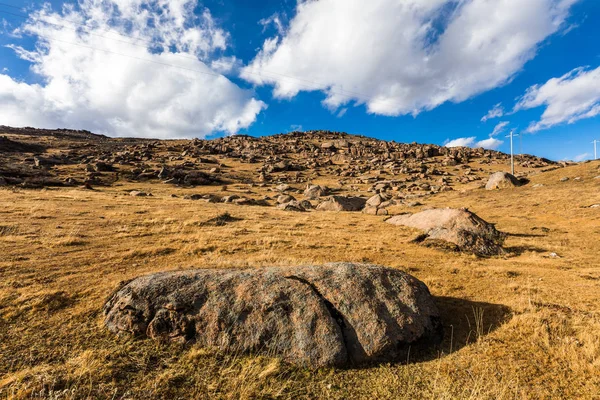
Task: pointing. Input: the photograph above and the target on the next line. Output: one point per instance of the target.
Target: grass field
(526, 325)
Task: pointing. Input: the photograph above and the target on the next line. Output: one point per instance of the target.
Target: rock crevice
(336, 315)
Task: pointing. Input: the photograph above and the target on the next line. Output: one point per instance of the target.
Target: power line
(314, 85)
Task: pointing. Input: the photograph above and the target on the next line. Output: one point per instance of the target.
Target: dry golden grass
(522, 326)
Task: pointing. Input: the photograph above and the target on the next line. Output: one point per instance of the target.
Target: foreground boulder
(502, 180)
(332, 315)
(460, 228)
(342, 203)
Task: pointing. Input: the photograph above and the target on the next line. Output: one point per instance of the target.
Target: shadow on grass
(526, 235)
(464, 323)
(518, 250)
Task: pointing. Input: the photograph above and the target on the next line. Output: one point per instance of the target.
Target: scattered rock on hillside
(342, 203)
(138, 193)
(284, 198)
(375, 201)
(286, 160)
(502, 180)
(333, 315)
(313, 192)
(376, 205)
(375, 211)
(461, 228)
(295, 205)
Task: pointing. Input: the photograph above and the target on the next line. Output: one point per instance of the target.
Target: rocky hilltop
(38, 158)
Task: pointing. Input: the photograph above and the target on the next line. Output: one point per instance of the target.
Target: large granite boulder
(338, 314)
(458, 227)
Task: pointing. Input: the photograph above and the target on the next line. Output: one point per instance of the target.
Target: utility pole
(595, 151)
(512, 155)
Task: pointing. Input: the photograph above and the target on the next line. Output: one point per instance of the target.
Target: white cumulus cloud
(404, 56)
(461, 142)
(150, 83)
(570, 98)
(490, 143)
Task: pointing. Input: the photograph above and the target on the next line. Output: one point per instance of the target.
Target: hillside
(82, 213)
(41, 158)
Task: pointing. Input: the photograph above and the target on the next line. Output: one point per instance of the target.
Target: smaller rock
(164, 173)
(293, 205)
(138, 193)
(230, 198)
(284, 198)
(194, 196)
(374, 211)
(375, 201)
(313, 192)
(342, 203)
(502, 180)
(198, 178)
(101, 166)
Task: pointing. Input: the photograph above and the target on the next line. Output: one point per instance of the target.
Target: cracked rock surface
(339, 314)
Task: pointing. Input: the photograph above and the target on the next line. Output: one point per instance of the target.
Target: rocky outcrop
(332, 315)
(460, 228)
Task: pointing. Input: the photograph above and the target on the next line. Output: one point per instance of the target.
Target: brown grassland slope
(524, 325)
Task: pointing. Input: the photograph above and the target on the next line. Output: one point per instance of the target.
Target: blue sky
(441, 99)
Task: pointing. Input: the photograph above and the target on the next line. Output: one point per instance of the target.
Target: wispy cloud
(581, 157)
(496, 112)
(499, 128)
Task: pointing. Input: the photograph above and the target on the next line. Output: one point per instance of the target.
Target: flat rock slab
(338, 314)
(459, 227)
